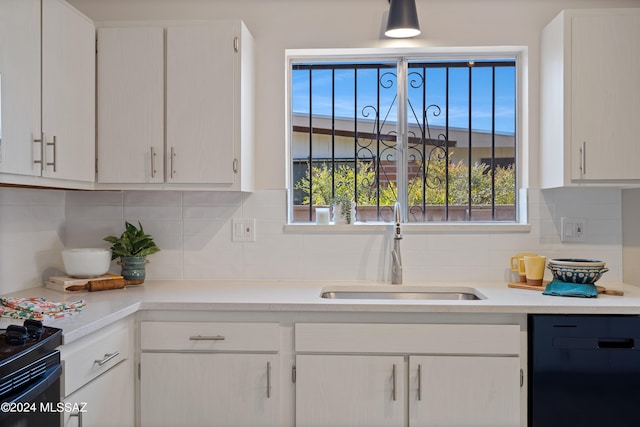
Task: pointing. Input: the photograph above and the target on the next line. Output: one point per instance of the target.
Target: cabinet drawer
(91, 356)
(407, 338)
(210, 336)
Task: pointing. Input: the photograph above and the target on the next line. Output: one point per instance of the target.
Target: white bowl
(86, 262)
(577, 262)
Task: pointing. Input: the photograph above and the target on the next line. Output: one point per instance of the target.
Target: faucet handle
(397, 216)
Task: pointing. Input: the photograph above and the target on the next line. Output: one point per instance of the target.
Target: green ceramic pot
(133, 267)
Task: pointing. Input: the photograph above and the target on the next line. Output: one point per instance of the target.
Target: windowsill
(411, 228)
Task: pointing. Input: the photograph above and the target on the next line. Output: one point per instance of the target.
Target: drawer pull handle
(628, 343)
(268, 380)
(393, 378)
(153, 162)
(41, 142)
(107, 357)
(173, 155)
(207, 338)
(419, 382)
(79, 415)
(53, 144)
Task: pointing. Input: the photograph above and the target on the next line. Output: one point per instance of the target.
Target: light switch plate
(573, 230)
(244, 229)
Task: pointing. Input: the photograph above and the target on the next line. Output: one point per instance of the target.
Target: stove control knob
(34, 328)
(16, 335)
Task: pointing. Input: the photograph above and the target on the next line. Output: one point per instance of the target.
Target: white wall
(194, 229)
(31, 236)
(298, 24)
(631, 235)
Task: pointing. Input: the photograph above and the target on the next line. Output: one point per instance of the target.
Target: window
(454, 159)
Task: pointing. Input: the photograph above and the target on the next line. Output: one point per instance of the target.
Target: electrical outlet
(244, 229)
(573, 230)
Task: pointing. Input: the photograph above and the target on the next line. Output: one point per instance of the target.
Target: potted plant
(132, 247)
(344, 209)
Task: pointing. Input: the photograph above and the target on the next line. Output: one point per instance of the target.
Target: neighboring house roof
(366, 129)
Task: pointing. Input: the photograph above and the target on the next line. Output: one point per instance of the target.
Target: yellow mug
(517, 265)
(534, 268)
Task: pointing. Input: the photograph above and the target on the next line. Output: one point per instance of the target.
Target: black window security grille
(459, 156)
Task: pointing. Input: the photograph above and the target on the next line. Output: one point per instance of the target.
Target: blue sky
(436, 94)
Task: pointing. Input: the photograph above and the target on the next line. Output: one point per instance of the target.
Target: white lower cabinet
(346, 390)
(415, 375)
(98, 378)
(209, 374)
(106, 401)
(236, 389)
(472, 391)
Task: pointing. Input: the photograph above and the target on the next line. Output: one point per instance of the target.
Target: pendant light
(403, 19)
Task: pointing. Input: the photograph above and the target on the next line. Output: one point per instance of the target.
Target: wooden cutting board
(521, 285)
(601, 289)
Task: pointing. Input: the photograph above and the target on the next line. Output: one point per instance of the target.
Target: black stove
(30, 372)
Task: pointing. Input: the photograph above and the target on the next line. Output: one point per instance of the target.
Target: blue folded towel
(564, 289)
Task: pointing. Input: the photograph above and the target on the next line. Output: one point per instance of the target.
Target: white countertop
(106, 307)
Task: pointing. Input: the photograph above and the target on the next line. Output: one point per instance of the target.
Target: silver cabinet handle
(41, 142)
(268, 380)
(235, 165)
(54, 145)
(207, 338)
(173, 154)
(393, 378)
(79, 415)
(419, 382)
(153, 162)
(583, 158)
(106, 358)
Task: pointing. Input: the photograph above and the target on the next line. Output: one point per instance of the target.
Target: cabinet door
(130, 105)
(104, 402)
(68, 92)
(201, 98)
(205, 389)
(341, 390)
(459, 391)
(20, 86)
(605, 96)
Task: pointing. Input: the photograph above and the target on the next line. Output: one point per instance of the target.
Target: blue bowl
(577, 274)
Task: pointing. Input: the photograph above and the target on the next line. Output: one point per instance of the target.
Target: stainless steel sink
(402, 293)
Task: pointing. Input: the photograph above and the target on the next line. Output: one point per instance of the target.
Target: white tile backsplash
(194, 231)
(31, 236)
(154, 198)
(212, 198)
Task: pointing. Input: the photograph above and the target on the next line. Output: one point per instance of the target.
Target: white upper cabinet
(192, 81)
(131, 105)
(200, 103)
(68, 92)
(20, 74)
(590, 98)
(48, 98)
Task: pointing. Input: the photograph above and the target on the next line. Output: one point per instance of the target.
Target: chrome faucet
(396, 259)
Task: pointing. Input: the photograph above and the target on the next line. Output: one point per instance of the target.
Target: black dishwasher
(584, 370)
